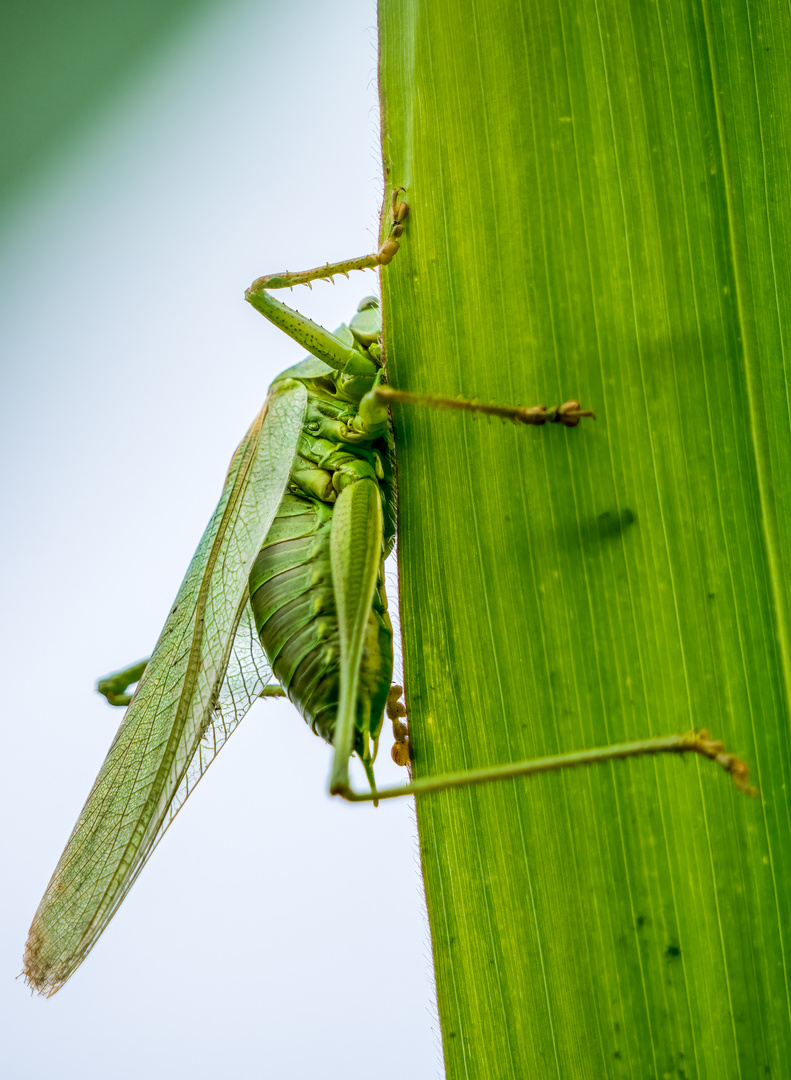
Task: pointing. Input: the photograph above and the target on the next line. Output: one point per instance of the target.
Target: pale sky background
(275, 932)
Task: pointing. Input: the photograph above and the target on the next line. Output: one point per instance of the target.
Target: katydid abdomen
(291, 591)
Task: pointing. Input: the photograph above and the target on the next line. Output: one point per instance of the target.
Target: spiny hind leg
(693, 742)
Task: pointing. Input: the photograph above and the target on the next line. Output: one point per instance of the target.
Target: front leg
(318, 341)
(288, 279)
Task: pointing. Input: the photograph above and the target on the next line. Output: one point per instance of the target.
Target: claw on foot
(570, 413)
(395, 711)
(398, 213)
(702, 743)
(387, 251)
(400, 209)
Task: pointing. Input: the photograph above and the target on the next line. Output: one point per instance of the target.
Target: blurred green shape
(598, 209)
(60, 60)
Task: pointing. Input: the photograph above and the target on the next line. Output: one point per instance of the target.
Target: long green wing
(202, 676)
(247, 673)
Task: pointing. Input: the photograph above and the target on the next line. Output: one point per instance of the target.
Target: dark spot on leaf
(672, 951)
(611, 523)
(607, 526)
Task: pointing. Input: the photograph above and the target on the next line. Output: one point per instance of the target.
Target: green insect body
(291, 583)
(288, 578)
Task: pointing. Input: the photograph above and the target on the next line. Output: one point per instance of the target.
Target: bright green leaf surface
(599, 195)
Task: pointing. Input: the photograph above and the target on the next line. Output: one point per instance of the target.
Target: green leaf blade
(578, 229)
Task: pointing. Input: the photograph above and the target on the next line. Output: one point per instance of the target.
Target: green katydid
(288, 578)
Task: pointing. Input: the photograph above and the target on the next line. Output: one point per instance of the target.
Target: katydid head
(366, 326)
